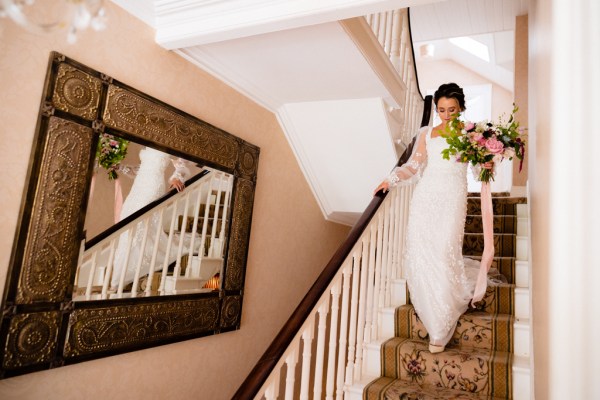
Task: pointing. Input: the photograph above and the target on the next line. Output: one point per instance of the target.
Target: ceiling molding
(185, 23)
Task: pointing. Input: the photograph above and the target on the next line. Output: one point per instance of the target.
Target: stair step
(474, 330)
(477, 371)
(507, 266)
(505, 244)
(502, 224)
(498, 299)
(389, 388)
(500, 205)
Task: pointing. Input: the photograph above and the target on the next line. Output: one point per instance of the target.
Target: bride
(148, 185)
(440, 281)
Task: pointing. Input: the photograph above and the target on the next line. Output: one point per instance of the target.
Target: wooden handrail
(274, 352)
(103, 235)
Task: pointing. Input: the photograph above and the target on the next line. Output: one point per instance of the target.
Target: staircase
(488, 356)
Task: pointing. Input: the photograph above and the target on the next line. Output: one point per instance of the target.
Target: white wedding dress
(440, 281)
(149, 185)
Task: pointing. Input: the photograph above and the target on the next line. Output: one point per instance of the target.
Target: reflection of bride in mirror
(148, 185)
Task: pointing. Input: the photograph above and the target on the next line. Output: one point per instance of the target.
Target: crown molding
(185, 23)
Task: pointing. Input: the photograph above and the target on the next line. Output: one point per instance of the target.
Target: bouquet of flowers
(110, 152)
(483, 142)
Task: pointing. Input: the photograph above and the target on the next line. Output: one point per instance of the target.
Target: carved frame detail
(41, 327)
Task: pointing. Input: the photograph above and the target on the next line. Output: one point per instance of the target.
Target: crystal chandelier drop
(72, 15)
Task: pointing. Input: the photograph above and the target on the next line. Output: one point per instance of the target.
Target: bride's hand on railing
(177, 184)
(384, 186)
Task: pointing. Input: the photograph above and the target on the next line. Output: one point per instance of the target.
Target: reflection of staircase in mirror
(190, 227)
(207, 261)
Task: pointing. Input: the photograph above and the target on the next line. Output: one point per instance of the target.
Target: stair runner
(477, 361)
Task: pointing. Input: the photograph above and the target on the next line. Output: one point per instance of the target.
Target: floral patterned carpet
(477, 362)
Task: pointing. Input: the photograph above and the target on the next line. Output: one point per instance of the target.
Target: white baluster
(272, 391)
(205, 220)
(290, 379)
(341, 367)
(138, 266)
(228, 186)
(79, 260)
(198, 195)
(396, 40)
(353, 318)
(182, 230)
(333, 323)
(109, 268)
(307, 337)
(392, 248)
(373, 249)
(388, 33)
(130, 233)
(90, 282)
(213, 232)
(375, 297)
(165, 266)
(321, 333)
(360, 326)
(157, 232)
(388, 243)
(375, 24)
(382, 28)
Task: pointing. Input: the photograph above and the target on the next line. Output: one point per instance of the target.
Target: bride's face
(447, 108)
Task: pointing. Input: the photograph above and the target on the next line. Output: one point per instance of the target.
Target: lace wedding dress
(440, 280)
(148, 185)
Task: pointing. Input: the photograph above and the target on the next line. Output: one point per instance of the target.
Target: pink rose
(494, 146)
(469, 126)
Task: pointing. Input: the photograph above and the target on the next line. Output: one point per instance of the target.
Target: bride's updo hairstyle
(450, 91)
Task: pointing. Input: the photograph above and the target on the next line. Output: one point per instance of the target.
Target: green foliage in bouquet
(483, 142)
(110, 152)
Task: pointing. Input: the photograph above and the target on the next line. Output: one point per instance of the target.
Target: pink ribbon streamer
(487, 217)
(118, 200)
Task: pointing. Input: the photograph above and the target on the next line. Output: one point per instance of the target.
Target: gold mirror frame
(41, 326)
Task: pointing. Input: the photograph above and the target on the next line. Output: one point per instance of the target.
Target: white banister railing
(393, 33)
(364, 283)
(124, 263)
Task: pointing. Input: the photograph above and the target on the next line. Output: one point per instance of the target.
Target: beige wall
(444, 71)
(521, 88)
(290, 241)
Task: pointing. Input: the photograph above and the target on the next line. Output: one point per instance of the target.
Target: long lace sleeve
(182, 171)
(412, 169)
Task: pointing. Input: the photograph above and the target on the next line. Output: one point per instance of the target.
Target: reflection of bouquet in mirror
(110, 152)
(483, 142)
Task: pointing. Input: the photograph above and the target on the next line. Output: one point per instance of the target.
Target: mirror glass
(148, 229)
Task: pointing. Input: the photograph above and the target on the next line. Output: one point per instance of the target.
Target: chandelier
(72, 15)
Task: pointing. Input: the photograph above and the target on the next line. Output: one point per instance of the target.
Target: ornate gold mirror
(43, 323)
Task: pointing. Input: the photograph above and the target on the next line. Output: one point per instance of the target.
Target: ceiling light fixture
(73, 15)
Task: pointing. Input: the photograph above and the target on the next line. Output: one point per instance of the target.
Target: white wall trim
(185, 23)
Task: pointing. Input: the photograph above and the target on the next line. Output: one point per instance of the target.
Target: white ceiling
(491, 22)
(454, 18)
(318, 62)
(296, 59)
